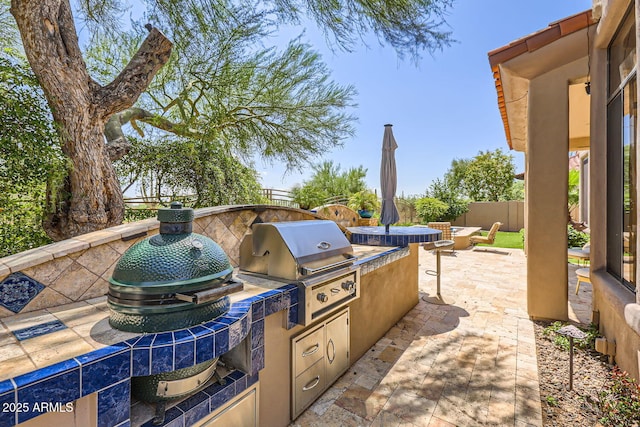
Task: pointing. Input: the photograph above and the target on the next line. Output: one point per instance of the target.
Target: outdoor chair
(583, 276)
(490, 238)
(580, 254)
(445, 227)
(447, 233)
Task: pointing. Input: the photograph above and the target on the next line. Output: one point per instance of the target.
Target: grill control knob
(348, 285)
(323, 297)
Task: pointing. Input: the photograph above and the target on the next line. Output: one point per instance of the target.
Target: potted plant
(365, 202)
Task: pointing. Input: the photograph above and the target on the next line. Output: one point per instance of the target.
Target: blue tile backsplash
(17, 290)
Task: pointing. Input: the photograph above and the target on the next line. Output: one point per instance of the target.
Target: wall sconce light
(587, 88)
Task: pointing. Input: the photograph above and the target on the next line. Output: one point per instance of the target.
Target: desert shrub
(447, 192)
(620, 401)
(430, 209)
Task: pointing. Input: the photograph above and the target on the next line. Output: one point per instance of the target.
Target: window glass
(614, 186)
(584, 191)
(629, 121)
(622, 53)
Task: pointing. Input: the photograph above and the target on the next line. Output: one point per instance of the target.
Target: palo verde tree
(89, 111)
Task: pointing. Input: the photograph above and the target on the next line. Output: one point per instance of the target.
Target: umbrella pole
(386, 228)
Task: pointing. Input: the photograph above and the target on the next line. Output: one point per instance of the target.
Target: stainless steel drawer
(308, 350)
(308, 386)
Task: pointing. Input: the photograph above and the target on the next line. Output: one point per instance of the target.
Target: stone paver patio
(467, 364)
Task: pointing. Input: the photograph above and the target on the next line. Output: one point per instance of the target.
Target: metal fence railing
(279, 197)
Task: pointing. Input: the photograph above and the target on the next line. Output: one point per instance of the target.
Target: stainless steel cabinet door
(337, 347)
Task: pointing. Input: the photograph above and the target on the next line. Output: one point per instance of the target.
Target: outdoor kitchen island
(66, 365)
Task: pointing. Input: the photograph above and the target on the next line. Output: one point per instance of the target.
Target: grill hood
(293, 249)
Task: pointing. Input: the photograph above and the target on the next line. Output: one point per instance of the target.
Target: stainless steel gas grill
(315, 255)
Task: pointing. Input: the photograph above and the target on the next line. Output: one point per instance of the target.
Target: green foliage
(170, 167)
(430, 209)
(138, 214)
(220, 85)
(364, 200)
(505, 239)
(517, 191)
(448, 191)
(489, 176)
(574, 193)
(409, 27)
(620, 401)
(21, 225)
(588, 343)
(308, 196)
(575, 238)
(328, 180)
(29, 156)
(551, 401)
(455, 175)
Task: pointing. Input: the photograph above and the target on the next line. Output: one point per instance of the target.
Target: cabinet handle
(333, 346)
(315, 382)
(311, 350)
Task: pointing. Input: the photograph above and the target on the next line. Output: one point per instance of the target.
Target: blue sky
(444, 107)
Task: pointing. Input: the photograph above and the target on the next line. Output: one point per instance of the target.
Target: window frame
(616, 166)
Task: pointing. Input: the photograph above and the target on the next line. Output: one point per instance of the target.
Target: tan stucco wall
(546, 195)
(84, 413)
(387, 294)
(612, 302)
(275, 378)
(617, 307)
(484, 214)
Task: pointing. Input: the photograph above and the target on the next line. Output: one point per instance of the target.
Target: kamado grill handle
(211, 294)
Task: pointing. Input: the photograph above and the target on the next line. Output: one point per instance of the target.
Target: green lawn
(506, 239)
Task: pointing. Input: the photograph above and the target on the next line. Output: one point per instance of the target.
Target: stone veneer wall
(78, 269)
(342, 215)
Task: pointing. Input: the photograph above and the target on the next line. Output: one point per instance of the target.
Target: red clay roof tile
(530, 43)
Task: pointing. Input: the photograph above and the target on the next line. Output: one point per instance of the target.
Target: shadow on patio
(467, 364)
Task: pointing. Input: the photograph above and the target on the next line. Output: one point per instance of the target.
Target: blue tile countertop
(108, 370)
(397, 236)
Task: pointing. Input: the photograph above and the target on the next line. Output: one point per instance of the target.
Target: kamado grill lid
(174, 258)
(172, 280)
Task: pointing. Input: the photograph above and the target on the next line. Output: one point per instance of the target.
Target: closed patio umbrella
(388, 179)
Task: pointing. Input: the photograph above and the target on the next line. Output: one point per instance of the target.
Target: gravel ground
(560, 406)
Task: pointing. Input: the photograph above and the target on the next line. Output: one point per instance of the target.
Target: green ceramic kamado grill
(173, 280)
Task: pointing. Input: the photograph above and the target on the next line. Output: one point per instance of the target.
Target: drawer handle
(315, 382)
(333, 346)
(335, 291)
(311, 350)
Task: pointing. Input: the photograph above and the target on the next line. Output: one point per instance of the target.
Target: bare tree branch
(125, 89)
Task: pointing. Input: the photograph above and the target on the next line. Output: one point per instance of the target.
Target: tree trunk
(90, 197)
